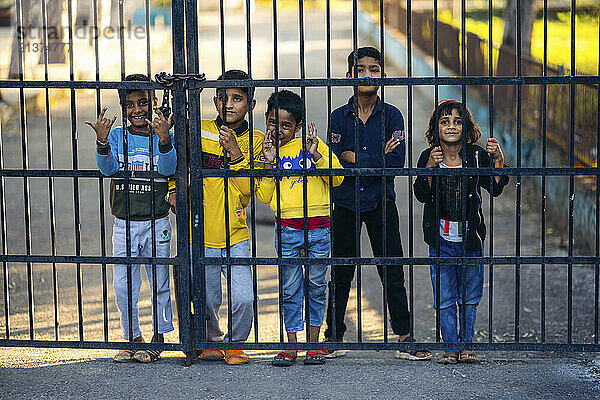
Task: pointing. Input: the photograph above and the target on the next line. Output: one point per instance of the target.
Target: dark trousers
(343, 224)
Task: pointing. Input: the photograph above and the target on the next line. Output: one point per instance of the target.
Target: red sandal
(284, 359)
(314, 357)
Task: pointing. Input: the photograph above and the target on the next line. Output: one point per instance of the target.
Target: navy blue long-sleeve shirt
(369, 152)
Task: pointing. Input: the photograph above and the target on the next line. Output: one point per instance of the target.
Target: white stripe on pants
(141, 246)
(242, 294)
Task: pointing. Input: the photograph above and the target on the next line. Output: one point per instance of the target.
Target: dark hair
(361, 53)
(133, 78)
(236, 75)
(288, 101)
(445, 107)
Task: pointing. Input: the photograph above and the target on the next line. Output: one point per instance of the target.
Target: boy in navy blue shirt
(366, 110)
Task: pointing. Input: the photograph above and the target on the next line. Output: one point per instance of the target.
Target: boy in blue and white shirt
(110, 159)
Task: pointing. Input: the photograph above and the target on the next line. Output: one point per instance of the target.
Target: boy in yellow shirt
(289, 108)
(229, 132)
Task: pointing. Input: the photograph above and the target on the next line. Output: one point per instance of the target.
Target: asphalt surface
(358, 375)
(45, 373)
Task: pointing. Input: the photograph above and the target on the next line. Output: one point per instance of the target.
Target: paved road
(522, 378)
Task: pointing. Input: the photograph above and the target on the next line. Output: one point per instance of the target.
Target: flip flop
(333, 353)
(448, 358)
(468, 358)
(284, 359)
(311, 360)
(147, 356)
(412, 354)
(124, 356)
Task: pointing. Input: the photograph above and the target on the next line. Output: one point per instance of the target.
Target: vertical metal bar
(518, 199)
(436, 179)
(333, 326)
(49, 166)
(193, 200)
(101, 182)
(409, 140)
(304, 166)
(491, 122)
(152, 202)
(277, 180)
(597, 269)
(75, 168)
(356, 164)
(252, 166)
(383, 177)
(226, 166)
(543, 197)
(463, 178)
(26, 205)
(571, 177)
(3, 235)
(125, 168)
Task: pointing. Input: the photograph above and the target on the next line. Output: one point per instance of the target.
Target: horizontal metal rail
(378, 172)
(15, 258)
(316, 82)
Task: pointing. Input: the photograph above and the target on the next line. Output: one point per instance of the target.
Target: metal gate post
(196, 200)
(183, 251)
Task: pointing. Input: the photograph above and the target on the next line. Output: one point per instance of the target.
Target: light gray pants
(141, 246)
(242, 294)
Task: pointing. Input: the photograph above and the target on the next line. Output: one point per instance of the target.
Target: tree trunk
(56, 39)
(21, 28)
(114, 15)
(84, 8)
(528, 13)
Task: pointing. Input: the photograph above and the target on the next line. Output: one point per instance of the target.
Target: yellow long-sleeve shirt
(238, 188)
(291, 192)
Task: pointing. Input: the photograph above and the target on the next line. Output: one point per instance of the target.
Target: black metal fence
(186, 83)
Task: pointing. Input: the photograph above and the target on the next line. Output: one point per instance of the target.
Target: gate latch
(168, 80)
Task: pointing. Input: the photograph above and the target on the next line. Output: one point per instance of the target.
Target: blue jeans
(451, 292)
(292, 242)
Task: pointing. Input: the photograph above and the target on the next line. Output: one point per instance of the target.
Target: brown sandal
(124, 356)
(468, 357)
(449, 357)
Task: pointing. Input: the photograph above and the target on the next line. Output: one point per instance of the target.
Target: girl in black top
(458, 231)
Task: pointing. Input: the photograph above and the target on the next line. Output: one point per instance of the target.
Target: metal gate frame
(186, 105)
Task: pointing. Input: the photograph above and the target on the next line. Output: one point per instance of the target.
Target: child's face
(288, 127)
(236, 106)
(368, 67)
(137, 106)
(450, 127)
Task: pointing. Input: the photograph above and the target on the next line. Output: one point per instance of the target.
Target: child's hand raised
(312, 142)
(160, 125)
(102, 126)
(435, 157)
(391, 144)
(268, 147)
(229, 143)
(493, 147)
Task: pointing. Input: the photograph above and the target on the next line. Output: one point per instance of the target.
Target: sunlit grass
(558, 39)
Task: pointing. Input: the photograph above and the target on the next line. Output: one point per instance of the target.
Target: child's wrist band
(101, 144)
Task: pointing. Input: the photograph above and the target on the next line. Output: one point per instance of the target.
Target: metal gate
(186, 83)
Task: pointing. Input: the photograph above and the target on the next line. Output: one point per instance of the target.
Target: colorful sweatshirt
(111, 159)
(291, 192)
(239, 193)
